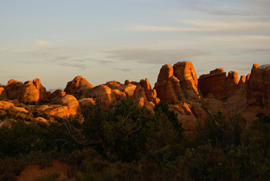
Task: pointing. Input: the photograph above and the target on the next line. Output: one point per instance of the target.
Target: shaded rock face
(218, 84)
(14, 89)
(30, 91)
(86, 102)
(3, 94)
(77, 84)
(177, 83)
(258, 93)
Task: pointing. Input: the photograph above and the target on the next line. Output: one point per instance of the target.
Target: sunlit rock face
(63, 106)
(177, 83)
(77, 84)
(30, 91)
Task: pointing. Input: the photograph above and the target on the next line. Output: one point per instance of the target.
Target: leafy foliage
(128, 143)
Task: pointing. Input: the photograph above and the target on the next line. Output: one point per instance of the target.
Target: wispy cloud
(68, 64)
(202, 26)
(155, 56)
(123, 69)
(250, 38)
(6, 50)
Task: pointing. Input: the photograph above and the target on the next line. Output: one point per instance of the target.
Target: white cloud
(42, 44)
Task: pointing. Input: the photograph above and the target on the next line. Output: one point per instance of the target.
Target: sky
(104, 40)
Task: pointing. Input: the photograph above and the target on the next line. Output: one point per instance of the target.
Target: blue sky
(56, 40)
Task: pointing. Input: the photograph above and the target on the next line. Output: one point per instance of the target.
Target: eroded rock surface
(77, 84)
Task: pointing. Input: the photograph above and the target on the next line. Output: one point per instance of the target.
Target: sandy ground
(33, 171)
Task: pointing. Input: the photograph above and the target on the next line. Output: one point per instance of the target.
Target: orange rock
(77, 84)
(3, 94)
(165, 72)
(56, 93)
(214, 83)
(6, 105)
(62, 106)
(259, 86)
(231, 83)
(185, 73)
(145, 96)
(86, 102)
(27, 92)
(179, 86)
(30, 92)
(42, 90)
(104, 94)
(14, 89)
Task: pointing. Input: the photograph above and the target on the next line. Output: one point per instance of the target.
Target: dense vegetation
(128, 143)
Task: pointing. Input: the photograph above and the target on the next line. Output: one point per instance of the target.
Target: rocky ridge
(193, 99)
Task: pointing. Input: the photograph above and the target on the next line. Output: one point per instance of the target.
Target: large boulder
(104, 94)
(62, 106)
(86, 102)
(14, 89)
(77, 84)
(6, 105)
(43, 95)
(30, 91)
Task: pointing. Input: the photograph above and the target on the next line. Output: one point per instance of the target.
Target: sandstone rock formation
(43, 95)
(258, 87)
(218, 84)
(30, 91)
(145, 96)
(6, 105)
(3, 94)
(177, 83)
(77, 84)
(86, 102)
(63, 106)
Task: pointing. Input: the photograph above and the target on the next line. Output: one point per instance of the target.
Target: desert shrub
(11, 165)
(21, 139)
(126, 131)
(87, 164)
(221, 131)
(8, 177)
